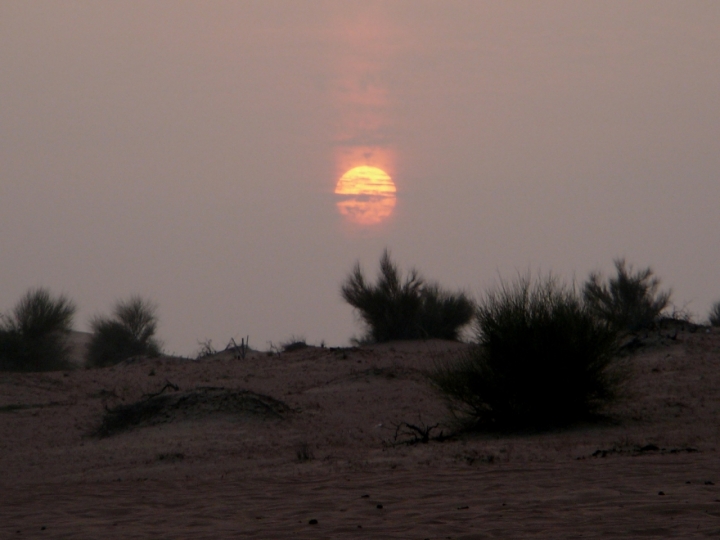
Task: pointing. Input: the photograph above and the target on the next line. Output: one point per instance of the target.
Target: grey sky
(188, 151)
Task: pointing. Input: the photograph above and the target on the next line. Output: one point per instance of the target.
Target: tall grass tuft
(129, 333)
(541, 359)
(33, 337)
(630, 301)
(397, 308)
(714, 316)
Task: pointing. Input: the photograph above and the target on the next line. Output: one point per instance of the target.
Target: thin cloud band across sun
(365, 180)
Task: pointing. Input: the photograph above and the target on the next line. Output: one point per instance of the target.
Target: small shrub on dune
(129, 333)
(405, 308)
(714, 316)
(630, 301)
(294, 343)
(541, 359)
(33, 337)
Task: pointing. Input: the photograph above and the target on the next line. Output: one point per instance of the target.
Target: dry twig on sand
(406, 433)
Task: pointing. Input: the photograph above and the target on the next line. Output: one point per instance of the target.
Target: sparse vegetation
(294, 343)
(130, 333)
(714, 316)
(541, 359)
(33, 337)
(304, 453)
(630, 301)
(206, 349)
(409, 308)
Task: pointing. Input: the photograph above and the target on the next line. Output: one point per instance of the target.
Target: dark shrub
(444, 314)
(409, 308)
(630, 301)
(541, 360)
(714, 316)
(130, 333)
(34, 337)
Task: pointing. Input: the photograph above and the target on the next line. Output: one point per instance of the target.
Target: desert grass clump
(630, 301)
(405, 308)
(541, 359)
(129, 333)
(33, 337)
(714, 316)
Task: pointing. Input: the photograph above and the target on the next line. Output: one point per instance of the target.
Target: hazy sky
(188, 151)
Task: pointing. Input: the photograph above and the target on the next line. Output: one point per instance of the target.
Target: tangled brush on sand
(162, 408)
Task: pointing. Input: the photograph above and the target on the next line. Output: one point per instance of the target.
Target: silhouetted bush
(410, 308)
(34, 336)
(130, 333)
(540, 359)
(714, 316)
(630, 301)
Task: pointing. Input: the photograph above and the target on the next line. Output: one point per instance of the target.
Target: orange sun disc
(368, 195)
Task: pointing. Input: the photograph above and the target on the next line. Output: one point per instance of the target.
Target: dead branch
(409, 434)
(239, 351)
(168, 384)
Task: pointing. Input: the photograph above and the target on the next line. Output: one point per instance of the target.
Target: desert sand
(303, 445)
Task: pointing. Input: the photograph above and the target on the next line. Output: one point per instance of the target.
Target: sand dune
(328, 465)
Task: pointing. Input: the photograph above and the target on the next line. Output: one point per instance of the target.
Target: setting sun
(368, 195)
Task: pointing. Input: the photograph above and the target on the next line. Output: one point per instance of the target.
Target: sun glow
(368, 195)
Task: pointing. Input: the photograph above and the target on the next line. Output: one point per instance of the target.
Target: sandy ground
(329, 466)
